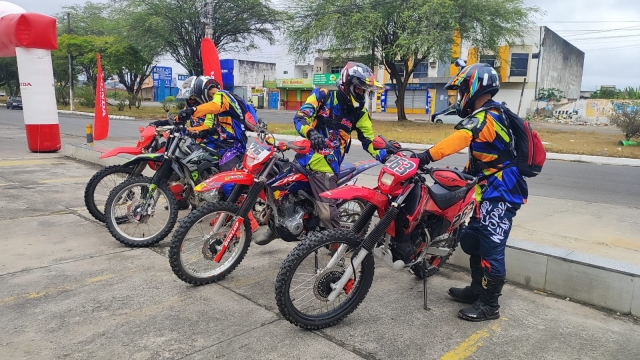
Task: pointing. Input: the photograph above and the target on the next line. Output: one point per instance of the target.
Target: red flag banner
(210, 60)
(101, 115)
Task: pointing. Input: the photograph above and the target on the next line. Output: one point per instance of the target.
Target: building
(545, 60)
(246, 79)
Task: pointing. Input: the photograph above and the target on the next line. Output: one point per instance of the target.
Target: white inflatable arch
(31, 37)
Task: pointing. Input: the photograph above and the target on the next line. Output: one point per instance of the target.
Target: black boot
(265, 238)
(486, 308)
(470, 294)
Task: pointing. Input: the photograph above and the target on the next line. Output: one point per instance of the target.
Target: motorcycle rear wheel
(93, 199)
(314, 244)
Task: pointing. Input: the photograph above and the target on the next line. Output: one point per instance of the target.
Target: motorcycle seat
(444, 198)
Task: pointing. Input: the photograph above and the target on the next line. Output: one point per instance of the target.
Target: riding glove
(317, 141)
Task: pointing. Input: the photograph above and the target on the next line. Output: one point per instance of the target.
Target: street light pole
(70, 65)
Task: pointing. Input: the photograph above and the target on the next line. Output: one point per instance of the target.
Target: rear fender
(228, 177)
(122, 150)
(350, 192)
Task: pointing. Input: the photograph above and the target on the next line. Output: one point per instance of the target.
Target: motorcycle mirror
(141, 128)
(460, 64)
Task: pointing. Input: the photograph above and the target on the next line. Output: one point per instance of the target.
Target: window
(488, 59)
(336, 69)
(519, 64)
(305, 74)
(421, 70)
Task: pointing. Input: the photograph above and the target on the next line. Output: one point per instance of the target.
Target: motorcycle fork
(370, 242)
(245, 208)
(161, 175)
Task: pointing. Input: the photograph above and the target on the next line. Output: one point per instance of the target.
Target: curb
(593, 280)
(600, 160)
(119, 117)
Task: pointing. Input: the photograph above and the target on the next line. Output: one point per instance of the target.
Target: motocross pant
(487, 233)
(327, 209)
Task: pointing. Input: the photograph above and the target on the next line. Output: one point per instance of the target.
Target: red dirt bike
(151, 140)
(430, 217)
(212, 241)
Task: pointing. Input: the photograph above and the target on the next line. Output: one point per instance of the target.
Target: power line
(589, 22)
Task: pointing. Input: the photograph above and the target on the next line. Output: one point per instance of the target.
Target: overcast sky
(594, 26)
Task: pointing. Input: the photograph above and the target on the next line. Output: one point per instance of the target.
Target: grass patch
(144, 113)
(565, 142)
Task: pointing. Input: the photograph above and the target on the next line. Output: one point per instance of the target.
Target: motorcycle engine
(290, 223)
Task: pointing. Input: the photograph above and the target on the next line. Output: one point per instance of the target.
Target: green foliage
(627, 120)
(9, 75)
(403, 33)
(86, 96)
(550, 94)
(628, 93)
(167, 102)
(122, 99)
(179, 25)
(180, 104)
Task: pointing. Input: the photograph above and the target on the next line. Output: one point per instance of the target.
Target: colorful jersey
(322, 112)
(222, 114)
(489, 138)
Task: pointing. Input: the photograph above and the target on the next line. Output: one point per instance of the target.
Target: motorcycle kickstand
(424, 285)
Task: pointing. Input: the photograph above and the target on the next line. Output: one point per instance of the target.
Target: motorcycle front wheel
(304, 281)
(196, 242)
(140, 214)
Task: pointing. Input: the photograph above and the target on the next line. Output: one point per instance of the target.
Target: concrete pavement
(68, 290)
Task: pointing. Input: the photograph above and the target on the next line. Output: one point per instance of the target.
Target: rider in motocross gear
(331, 117)
(500, 192)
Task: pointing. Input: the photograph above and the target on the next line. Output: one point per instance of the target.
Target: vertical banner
(210, 60)
(101, 115)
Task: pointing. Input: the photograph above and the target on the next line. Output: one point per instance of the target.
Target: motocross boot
(470, 294)
(486, 308)
(266, 237)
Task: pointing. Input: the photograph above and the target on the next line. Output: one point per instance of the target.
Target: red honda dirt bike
(430, 216)
(212, 241)
(151, 140)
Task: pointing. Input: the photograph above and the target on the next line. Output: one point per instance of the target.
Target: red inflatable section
(28, 30)
(43, 137)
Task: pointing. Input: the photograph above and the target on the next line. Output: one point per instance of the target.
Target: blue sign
(156, 83)
(182, 77)
(163, 73)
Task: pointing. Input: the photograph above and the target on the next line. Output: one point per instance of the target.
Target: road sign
(182, 77)
(163, 72)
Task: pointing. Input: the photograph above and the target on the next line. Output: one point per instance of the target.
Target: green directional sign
(325, 79)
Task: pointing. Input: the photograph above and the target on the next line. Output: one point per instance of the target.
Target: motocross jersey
(322, 112)
(486, 135)
(222, 114)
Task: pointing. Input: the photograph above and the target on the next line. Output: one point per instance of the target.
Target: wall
(252, 73)
(591, 111)
(561, 65)
(510, 93)
(299, 70)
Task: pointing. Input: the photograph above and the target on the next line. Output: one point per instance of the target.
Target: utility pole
(373, 64)
(70, 65)
(208, 32)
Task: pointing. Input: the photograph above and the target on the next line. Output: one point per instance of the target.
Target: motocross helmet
(196, 89)
(355, 80)
(471, 82)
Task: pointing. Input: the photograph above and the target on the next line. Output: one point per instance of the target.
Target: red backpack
(529, 153)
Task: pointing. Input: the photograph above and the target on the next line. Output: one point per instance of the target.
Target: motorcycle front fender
(121, 150)
(350, 192)
(144, 158)
(228, 177)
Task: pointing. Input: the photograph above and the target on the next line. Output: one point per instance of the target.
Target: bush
(121, 100)
(86, 96)
(627, 120)
(180, 104)
(166, 103)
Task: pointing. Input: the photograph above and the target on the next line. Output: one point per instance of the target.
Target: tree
(84, 49)
(9, 75)
(179, 25)
(627, 120)
(403, 33)
(550, 94)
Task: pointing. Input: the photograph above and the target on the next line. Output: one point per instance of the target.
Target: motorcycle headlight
(386, 179)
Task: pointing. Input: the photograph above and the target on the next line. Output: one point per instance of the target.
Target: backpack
(248, 116)
(528, 151)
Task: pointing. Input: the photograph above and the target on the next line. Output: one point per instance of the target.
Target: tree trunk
(400, 102)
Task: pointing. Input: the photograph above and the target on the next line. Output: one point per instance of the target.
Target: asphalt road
(614, 185)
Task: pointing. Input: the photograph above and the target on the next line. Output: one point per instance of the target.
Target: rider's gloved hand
(185, 114)
(425, 158)
(384, 156)
(318, 141)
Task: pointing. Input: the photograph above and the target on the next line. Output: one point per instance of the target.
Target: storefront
(273, 94)
(294, 92)
(418, 99)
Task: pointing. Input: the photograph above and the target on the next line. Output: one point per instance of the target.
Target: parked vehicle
(136, 204)
(447, 116)
(14, 102)
(212, 241)
(433, 217)
(151, 140)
